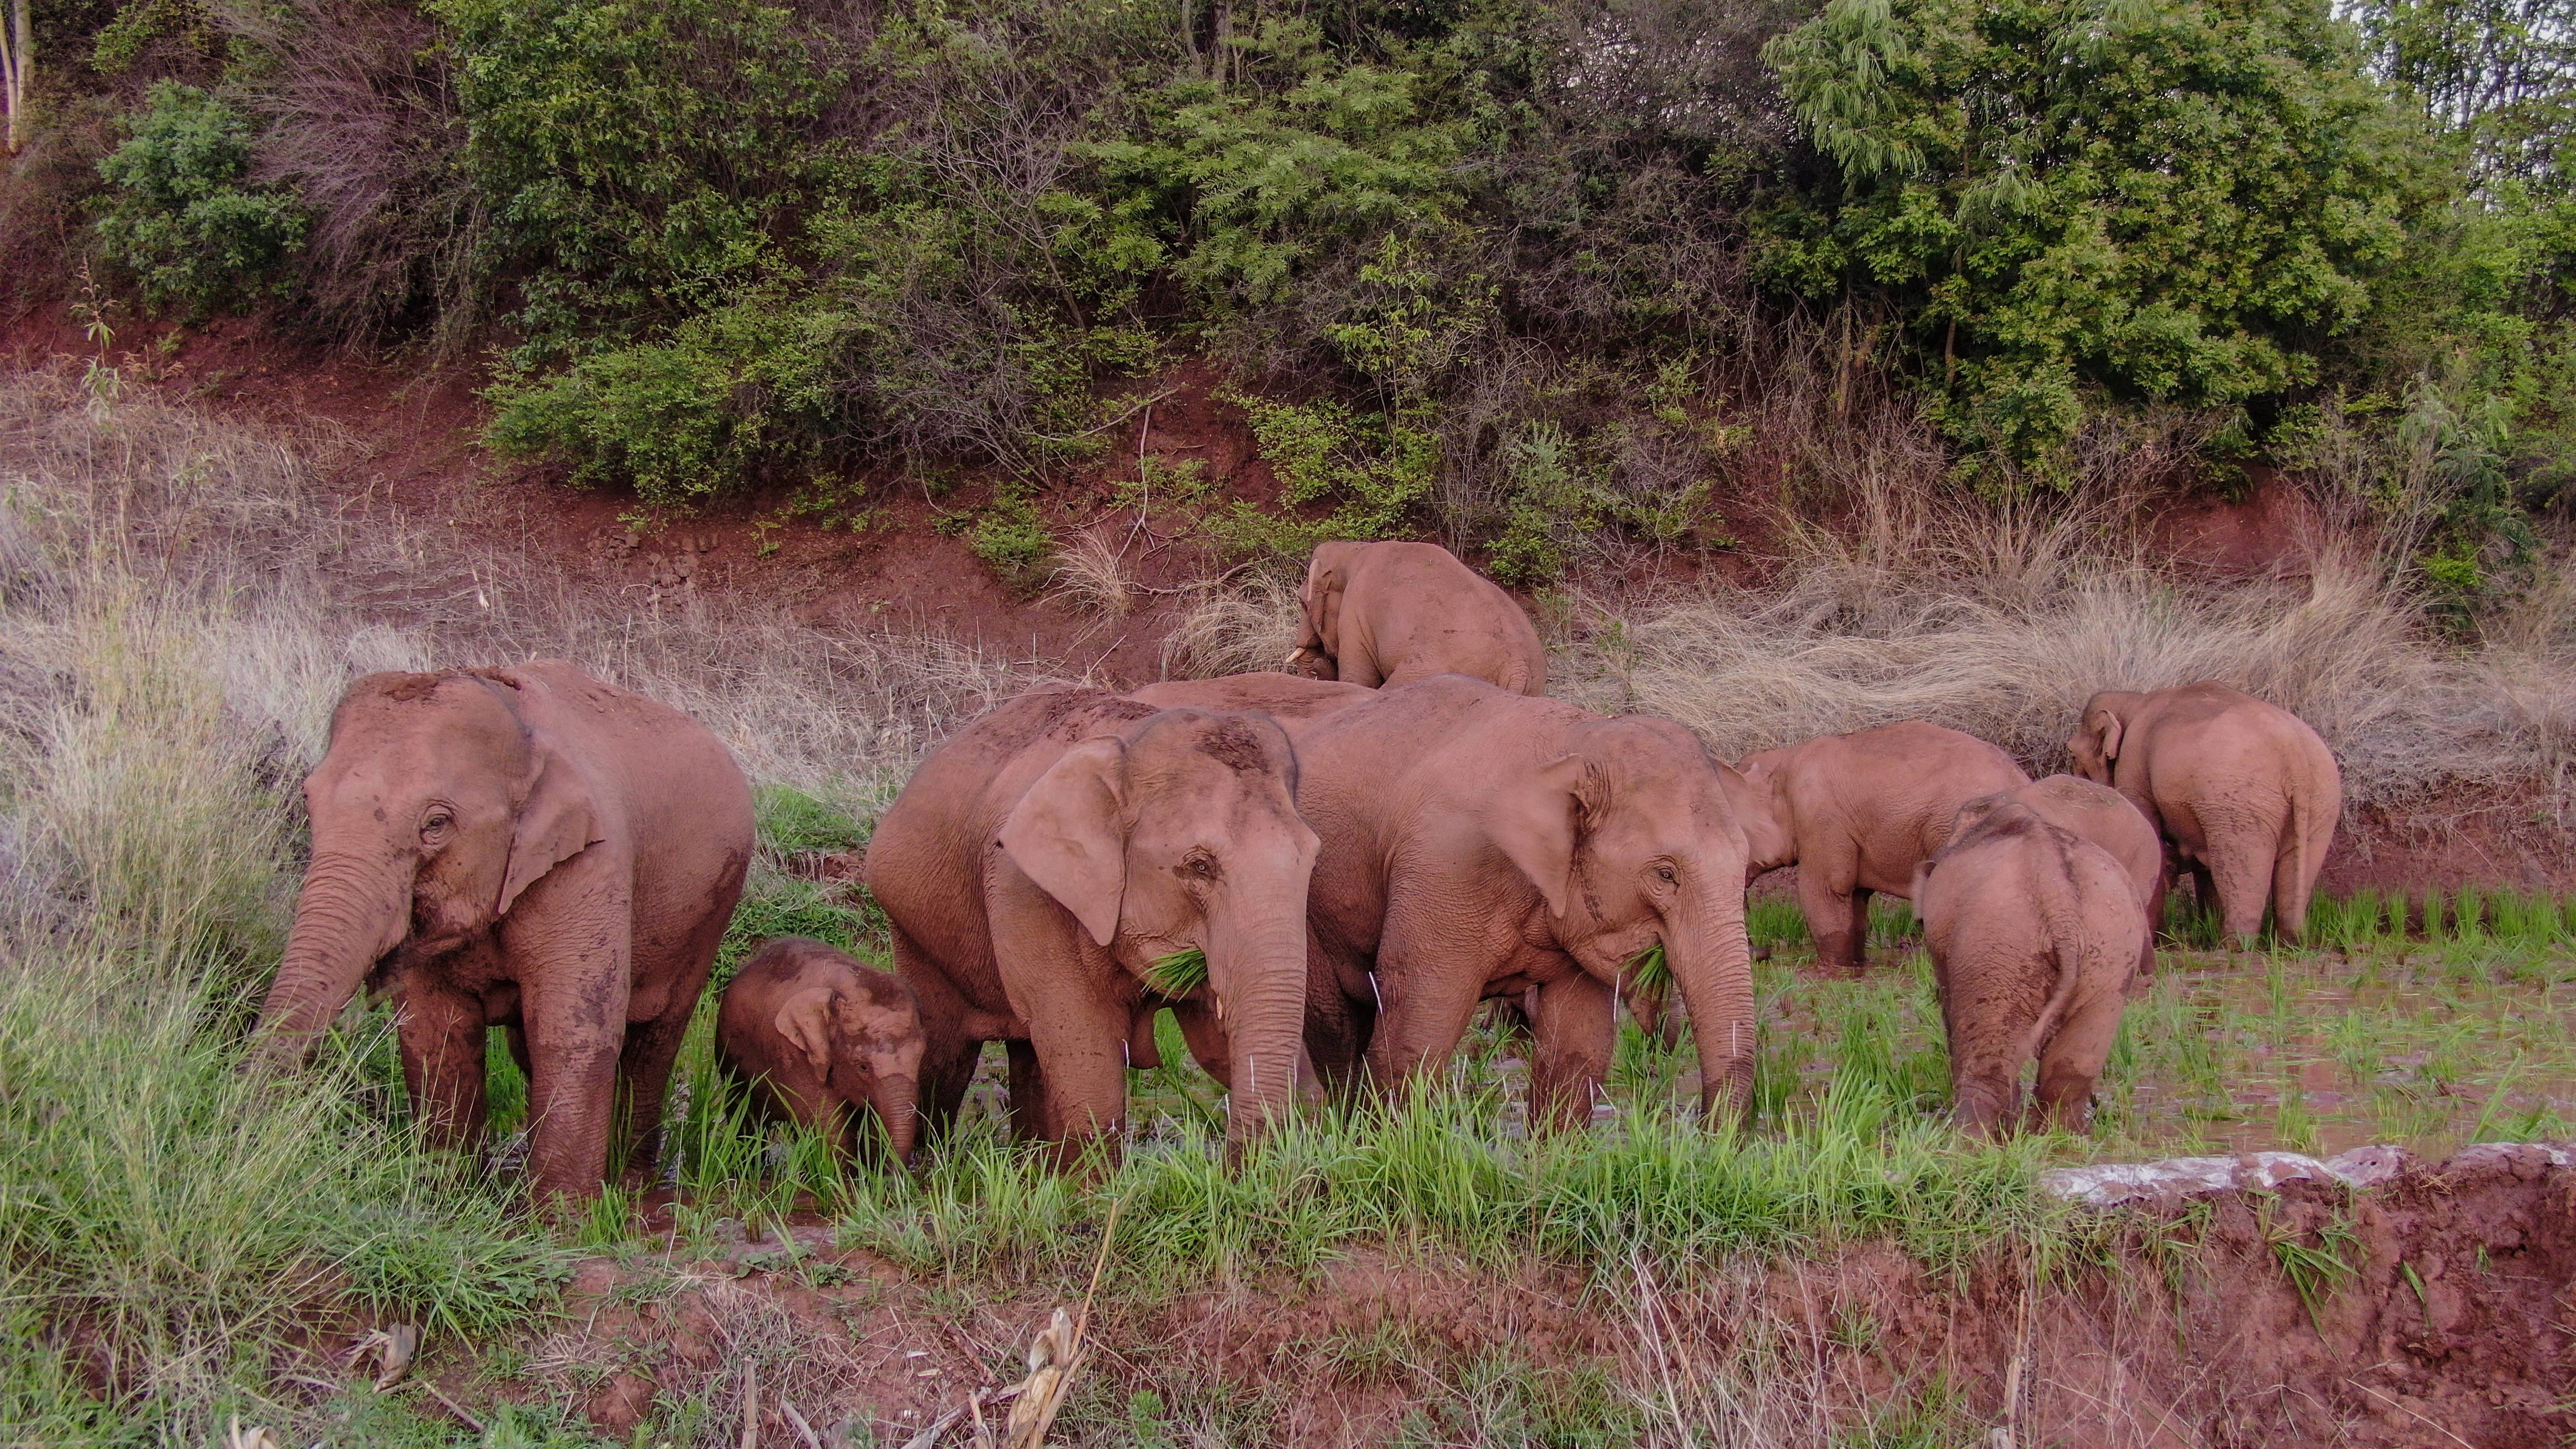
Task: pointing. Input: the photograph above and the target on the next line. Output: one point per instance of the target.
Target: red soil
(411, 436)
(2448, 1326)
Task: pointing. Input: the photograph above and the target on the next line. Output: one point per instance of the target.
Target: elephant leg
(442, 1038)
(1084, 1082)
(1144, 1053)
(1341, 1016)
(1207, 1040)
(644, 1084)
(1028, 1093)
(2244, 888)
(1989, 1031)
(2071, 1060)
(950, 1051)
(516, 1033)
(1837, 914)
(947, 1069)
(1430, 976)
(574, 1012)
(1574, 1031)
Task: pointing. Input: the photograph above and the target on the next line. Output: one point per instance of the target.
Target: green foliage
(730, 396)
(180, 215)
(2160, 201)
(637, 157)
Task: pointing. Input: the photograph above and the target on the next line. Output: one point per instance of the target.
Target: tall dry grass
(2001, 621)
(1905, 599)
(181, 602)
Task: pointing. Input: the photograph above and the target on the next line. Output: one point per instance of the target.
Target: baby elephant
(2034, 932)
(1384, 614)
(824, 1038)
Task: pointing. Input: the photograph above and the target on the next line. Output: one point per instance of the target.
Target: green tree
(2065, 198)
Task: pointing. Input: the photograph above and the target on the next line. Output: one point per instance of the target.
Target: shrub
(2179, 202)
(180, 215)
(636, 157)
(731, 395)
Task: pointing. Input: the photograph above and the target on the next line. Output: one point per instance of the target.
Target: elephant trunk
(350, 912)
(1261, 990)
(1711, 959)
(897, 1103)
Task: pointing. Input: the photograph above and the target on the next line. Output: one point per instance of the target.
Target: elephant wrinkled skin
(2105, 817)
(1046, 857)
(2244, 794)
(1486, 844)
(528, 848)
(2034, 932)
(1860, 811)
(1383, 614)
(824, 1040)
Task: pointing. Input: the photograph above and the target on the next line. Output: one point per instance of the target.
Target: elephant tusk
(1295, 654)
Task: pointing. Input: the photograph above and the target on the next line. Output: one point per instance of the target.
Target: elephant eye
(435, 823)
(1202, 866)
(1665, 874)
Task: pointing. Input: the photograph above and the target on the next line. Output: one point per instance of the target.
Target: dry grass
(1237, 630)
(296, 590)
(1091, 571)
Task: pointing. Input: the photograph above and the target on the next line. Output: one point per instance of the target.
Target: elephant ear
(1068, 835)
(1319, 613)
(805, 1018)
(558, 819)
(1767, 845)
(2105, 724)
(1533, 821)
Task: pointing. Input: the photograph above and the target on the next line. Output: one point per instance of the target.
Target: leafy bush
(2179, 202)
(179, 214)
(637, 157)
(730, 395)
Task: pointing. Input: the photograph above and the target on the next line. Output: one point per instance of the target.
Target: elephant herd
(1321, 878)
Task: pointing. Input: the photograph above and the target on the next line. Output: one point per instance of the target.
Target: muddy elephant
(824, 1040)
(1046, 861)
(2104, 816)
(2034, 932)
(2244, 794)
(1379, 614)
(528, 848)
(1483, 844)
(1860, 811)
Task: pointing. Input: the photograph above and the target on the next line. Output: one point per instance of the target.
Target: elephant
(2034, 932)
(529, 848)
(2105, 817)
(822, 1040)
(1379, 614)
(1485, 844)
(1860, 811)
(1045, 860)
(2244, 794)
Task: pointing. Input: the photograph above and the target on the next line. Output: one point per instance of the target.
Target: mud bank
(2426, 1309)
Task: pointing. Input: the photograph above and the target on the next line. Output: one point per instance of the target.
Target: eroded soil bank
(2429, 1310)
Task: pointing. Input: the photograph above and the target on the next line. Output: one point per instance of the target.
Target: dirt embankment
(2431, 1310)
(398, 434)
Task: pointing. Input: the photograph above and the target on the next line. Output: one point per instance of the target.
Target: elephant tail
(2061, 915)
(2295, 867)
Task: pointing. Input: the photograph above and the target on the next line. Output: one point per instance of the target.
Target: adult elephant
(1045, 861)
(528, 848)
(2101, 815)
(2243, 792)
(1860, 811)
(1484, 844)
(1380, 614)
